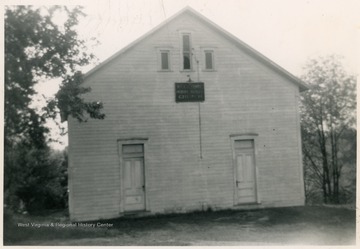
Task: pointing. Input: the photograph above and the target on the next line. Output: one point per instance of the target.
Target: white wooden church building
(195, 119)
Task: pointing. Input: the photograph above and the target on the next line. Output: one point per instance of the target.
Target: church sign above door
(190, 92)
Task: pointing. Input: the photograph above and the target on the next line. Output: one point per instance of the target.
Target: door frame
(239, 137)
(130, 141)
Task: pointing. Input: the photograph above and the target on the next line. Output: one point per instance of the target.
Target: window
(165, 65)
(209, 60)
(186, 49)
(164, 59)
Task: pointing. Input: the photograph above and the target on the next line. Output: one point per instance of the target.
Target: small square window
(209, 60)
(165, 60)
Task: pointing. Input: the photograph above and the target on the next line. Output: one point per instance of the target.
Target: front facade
(195, 119)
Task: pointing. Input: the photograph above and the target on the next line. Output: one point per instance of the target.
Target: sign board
(189, 92)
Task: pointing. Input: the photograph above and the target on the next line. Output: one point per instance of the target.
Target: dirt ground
(276, 226)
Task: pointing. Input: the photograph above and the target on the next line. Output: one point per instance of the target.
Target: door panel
(245, 172)
(240, 168)
(139, 182)
(127, 174)
(134, 179)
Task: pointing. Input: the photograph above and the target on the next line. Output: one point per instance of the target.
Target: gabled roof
(236, 41)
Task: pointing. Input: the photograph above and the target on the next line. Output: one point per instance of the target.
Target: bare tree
(328, 117)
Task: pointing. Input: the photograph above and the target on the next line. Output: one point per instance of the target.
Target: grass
(276, 226)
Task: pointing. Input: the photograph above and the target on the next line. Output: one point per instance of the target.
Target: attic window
(186, 51)
(209, 60)
(165, 65)
(164, 59)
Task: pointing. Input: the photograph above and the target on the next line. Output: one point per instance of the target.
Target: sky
(288, 32)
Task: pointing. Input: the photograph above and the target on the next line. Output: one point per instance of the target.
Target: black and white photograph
(180, 123)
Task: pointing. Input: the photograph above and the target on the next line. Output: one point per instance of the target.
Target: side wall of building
(242, 96)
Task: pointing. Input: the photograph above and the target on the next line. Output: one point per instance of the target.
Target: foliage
(328, 121)
(40, 47)
(38, 179)
(36, 47)
(69, 102)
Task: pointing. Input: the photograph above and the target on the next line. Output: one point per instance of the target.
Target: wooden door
(245, 179)
(133, 177)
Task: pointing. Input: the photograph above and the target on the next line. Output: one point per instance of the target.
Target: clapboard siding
(242, 96)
